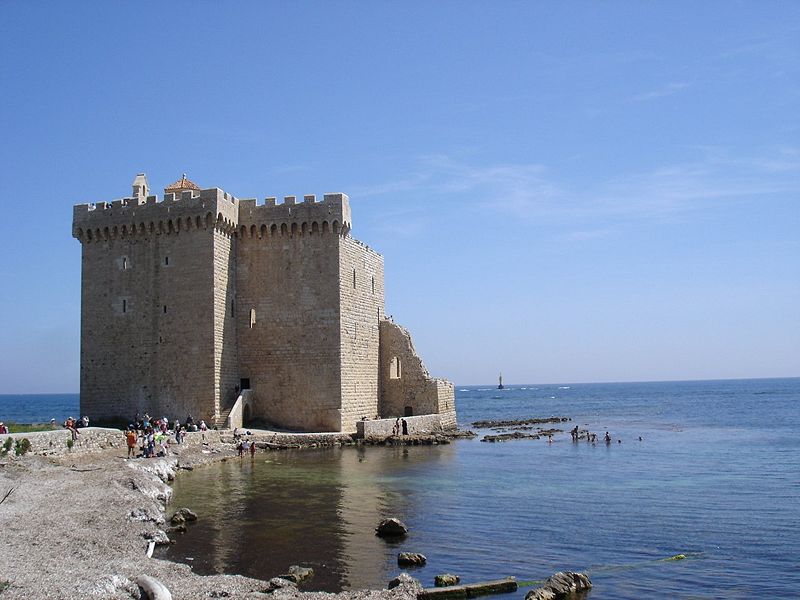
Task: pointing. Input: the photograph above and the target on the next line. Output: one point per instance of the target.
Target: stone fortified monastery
(208, 305)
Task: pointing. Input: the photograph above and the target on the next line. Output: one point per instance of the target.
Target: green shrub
(22, 446)
(6, 446)
(70, 443)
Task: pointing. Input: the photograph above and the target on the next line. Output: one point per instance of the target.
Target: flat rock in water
(505, 437)
(298, 573)
(562, 585)
(446, 579)
(411, 559)
(496, 424)
(391, 527)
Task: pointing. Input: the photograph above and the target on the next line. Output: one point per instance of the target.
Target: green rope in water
(675, 557)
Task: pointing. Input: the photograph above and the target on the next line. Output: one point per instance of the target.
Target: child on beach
(131, 438)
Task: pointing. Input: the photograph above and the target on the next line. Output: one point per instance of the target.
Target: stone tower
(188, 301)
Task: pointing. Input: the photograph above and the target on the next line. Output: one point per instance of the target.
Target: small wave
(463, 390)
(563, 387)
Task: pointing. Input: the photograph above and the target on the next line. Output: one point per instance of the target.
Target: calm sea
(716, 477)
(38, 408)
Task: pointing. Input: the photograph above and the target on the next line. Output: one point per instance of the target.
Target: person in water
(607, 438)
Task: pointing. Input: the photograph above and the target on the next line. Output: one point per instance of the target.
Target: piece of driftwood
(150, 548)
(8, 493)
(470, 590)
(153, 588)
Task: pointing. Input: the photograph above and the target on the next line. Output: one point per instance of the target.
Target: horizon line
(513, 384)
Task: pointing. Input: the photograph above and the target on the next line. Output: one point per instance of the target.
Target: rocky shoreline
(77, 520)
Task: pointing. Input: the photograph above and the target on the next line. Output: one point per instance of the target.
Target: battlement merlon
(128, 212)
(332, 208)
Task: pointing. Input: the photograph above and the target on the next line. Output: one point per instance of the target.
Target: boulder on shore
(560, 586)
(158, 536)
(391, 528)
(411, 559)
(446, 579)
(413, 586)
(187, 514)
(277, 583)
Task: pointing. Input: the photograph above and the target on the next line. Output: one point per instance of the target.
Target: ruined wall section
(147, 302)
(287, 302)
(362, 307)
(406, 385)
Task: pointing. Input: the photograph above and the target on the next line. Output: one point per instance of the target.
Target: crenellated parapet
(293, 218)
(139, 215)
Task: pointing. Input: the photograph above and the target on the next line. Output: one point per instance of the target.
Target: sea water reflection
(715, 478)
(260, 515)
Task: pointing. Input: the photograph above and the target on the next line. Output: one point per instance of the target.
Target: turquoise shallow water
(716, 477)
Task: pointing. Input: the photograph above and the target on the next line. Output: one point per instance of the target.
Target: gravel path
(77, 527)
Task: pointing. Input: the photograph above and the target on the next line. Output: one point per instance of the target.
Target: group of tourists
(243, 445)
(400, 425)
(152, 436)
(73, 425)
(590, 437)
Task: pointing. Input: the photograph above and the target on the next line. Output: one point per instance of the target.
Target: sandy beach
(78, 525)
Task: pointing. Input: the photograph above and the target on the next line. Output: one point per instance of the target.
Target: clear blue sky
(564, 191)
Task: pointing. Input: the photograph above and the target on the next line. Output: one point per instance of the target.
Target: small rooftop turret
(181, 185)
(140, 187)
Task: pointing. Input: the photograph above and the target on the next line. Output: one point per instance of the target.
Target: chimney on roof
(140, 187)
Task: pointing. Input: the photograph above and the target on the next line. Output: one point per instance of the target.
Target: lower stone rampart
(89, 439)
(419, 425)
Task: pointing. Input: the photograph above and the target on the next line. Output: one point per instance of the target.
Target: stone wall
(288, 325)
(419, 425)
(90, 439)
(146, 324)
(406, 385)
(361, 292)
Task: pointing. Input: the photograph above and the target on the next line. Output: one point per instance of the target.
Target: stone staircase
(222, 421)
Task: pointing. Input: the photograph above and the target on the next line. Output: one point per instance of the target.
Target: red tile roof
(181, 184)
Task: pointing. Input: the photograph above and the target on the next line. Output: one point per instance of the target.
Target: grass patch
(28, 427)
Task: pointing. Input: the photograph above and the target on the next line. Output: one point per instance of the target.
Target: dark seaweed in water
(519, 422)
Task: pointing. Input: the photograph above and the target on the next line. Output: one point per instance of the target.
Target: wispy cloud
(529, 192)
(667, 90)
